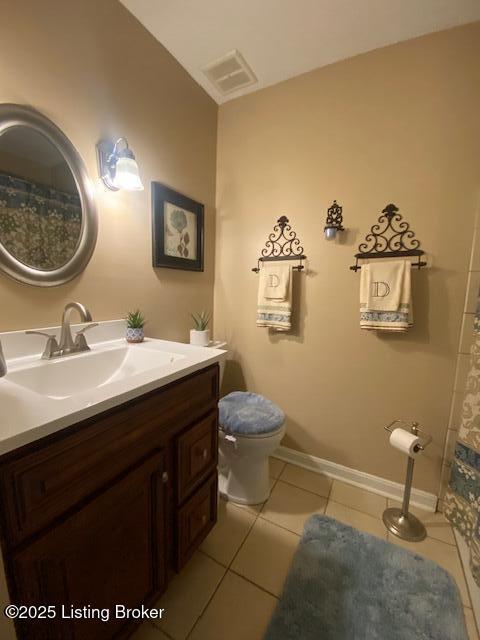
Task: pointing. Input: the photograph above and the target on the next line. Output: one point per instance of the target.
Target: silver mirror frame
(15, 115)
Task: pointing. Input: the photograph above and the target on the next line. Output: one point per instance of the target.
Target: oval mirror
(48, 223)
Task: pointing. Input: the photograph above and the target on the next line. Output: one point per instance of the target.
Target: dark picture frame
(177, 230)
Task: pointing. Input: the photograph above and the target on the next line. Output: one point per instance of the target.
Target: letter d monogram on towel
(273, 280)
(380, 289)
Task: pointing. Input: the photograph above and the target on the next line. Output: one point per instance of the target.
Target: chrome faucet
(68, 345)
(3, 364)
(66, 341)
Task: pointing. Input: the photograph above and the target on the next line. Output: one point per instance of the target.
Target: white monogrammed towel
(275, 312)
(385, 296)
(382, 285)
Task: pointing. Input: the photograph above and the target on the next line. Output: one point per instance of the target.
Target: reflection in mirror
(40, 207)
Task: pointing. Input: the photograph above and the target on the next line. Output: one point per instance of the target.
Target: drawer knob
(205, 454)
(204, 519)
(165, 477)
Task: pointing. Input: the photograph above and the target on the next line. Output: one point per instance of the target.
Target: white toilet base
(243, 466)
(245, 488)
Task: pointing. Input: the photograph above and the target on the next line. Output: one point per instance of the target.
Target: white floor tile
(357, 498)
(289, 506)
(266, 555)
(238, 611)
(188, 595)
(470, 622)
(357, 519)
(232, 527)
(147, 631)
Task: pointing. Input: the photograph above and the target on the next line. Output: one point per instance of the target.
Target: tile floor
(231, 585)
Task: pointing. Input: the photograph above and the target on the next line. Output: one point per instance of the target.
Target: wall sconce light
(118, 167)
(334, 221)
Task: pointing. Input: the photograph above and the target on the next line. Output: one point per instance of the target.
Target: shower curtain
(39, 225)
(462, 499)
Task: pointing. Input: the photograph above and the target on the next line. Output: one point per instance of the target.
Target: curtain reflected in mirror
(40, 207)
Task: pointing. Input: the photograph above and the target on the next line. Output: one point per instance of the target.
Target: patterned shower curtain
(462, 499)
(39, 225)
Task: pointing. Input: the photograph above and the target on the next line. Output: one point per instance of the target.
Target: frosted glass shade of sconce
(127, 175)
(330, 233)
(117, 166)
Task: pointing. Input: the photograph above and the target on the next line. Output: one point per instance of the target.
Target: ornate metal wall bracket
(282, 244)
(334, 220)
(390, 237)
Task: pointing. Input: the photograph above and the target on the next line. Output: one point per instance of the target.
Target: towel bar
(297, 267)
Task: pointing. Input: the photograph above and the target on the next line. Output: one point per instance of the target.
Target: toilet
(250, 429)
(243, 464)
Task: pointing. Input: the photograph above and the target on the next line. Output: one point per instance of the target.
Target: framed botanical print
(177, 230)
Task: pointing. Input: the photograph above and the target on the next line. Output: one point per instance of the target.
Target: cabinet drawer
(197, 454)
(43, 481)
(195, 519)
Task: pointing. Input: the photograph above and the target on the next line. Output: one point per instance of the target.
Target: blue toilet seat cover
(245, 413)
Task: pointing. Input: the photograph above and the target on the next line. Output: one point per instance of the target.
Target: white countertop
(27, 415)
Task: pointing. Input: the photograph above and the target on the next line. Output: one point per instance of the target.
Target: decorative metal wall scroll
(391, 237)
(334, 220)
(282, 244)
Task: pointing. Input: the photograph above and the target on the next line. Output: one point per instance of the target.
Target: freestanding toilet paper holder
(399, 521)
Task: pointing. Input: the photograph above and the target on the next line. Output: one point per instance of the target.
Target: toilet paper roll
(405, 442)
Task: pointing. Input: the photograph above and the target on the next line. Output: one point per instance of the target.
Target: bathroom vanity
(104, 510)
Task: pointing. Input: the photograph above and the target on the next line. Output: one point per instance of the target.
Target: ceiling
(280, 39)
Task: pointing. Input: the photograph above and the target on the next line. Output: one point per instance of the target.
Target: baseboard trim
(375, 484)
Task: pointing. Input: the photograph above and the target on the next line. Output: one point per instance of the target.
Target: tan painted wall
(96, 72)
(401, 125)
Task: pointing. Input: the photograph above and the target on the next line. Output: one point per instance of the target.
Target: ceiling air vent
(230, 73)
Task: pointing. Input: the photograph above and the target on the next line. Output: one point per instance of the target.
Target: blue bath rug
(347, 585)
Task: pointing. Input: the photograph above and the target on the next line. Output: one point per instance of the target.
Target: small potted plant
(200, 335)
(135, 324)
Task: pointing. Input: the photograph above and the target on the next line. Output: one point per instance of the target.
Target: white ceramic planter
(200, 338)
(135, 334)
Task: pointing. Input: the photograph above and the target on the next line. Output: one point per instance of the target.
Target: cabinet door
(111, 552)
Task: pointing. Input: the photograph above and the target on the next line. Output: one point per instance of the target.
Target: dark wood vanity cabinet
(112, 551)
(104, 512)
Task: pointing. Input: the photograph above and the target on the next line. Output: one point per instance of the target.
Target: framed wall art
(177, 230)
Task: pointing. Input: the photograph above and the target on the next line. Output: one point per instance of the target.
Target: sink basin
(71, 375)
(40, 397)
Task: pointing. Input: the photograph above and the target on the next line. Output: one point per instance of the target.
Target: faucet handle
(86, 328)
(51, 348)
(40, 333)
(80, 341)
